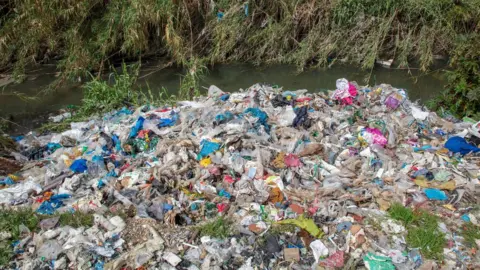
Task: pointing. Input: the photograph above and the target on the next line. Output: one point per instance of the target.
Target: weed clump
(423, 232)
(218, 228)
(11, 221)
(470, 233)
(401, 213)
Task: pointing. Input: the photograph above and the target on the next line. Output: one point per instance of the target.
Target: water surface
(229, 78)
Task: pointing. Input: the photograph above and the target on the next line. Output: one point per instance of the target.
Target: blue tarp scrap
(460, 145)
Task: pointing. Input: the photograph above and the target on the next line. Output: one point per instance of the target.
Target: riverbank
(90, 35)
(359, 177)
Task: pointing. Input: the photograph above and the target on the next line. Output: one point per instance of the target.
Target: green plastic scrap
(306, 224)
(377, 262)
(469, 120)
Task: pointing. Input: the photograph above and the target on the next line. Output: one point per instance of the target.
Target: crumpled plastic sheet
(19, 191)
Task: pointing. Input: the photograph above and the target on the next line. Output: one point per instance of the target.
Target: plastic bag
(376, 262)
(292, 160)
(435, 194)
(79, 166)
(208, 147)
(261, 115)
(306, 224)
(345, 92)
(56, 201)
(460, 145)
(319, 250)
(97, 167)
(214, 91)
(372, 136)
(138, 126)
(19, 191)
(285, 118)
(395, 99)
(418, 114)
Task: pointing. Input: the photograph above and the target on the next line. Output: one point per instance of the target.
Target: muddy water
(229, 78)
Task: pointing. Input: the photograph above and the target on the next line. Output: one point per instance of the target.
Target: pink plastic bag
(228, 179)
(352, 90)
(345, 92)
(372, 136)
(292, 160)
(337, 259)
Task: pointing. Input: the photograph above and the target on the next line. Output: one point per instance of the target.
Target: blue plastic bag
(222, 118)
(7, 181)
(124, 110)
(168, 122)
(261, 115)
(224, 97)
(55, 202)
(99, 265)
(79, 166)
(167, 207)
(208, 148)
(223, 193)
(219, 15)
(118, 144)
(435, 194)
(53, 146)
(138, 126)
(460, 145)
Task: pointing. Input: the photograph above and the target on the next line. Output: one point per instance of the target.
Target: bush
(462, 94)
(102, 96)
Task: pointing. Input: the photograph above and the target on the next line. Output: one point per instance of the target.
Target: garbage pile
(298, 180)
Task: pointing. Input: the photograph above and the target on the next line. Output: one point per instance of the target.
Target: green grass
(10, 220)
(101, 96)
(422, 230)
(104, 96)
(470, 233)
(399, 212)
(429, 240)
(278, 229)
(218, 228)
(76, 219)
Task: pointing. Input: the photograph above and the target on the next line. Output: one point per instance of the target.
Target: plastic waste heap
(257, 179)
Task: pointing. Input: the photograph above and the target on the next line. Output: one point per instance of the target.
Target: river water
(229, 78)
